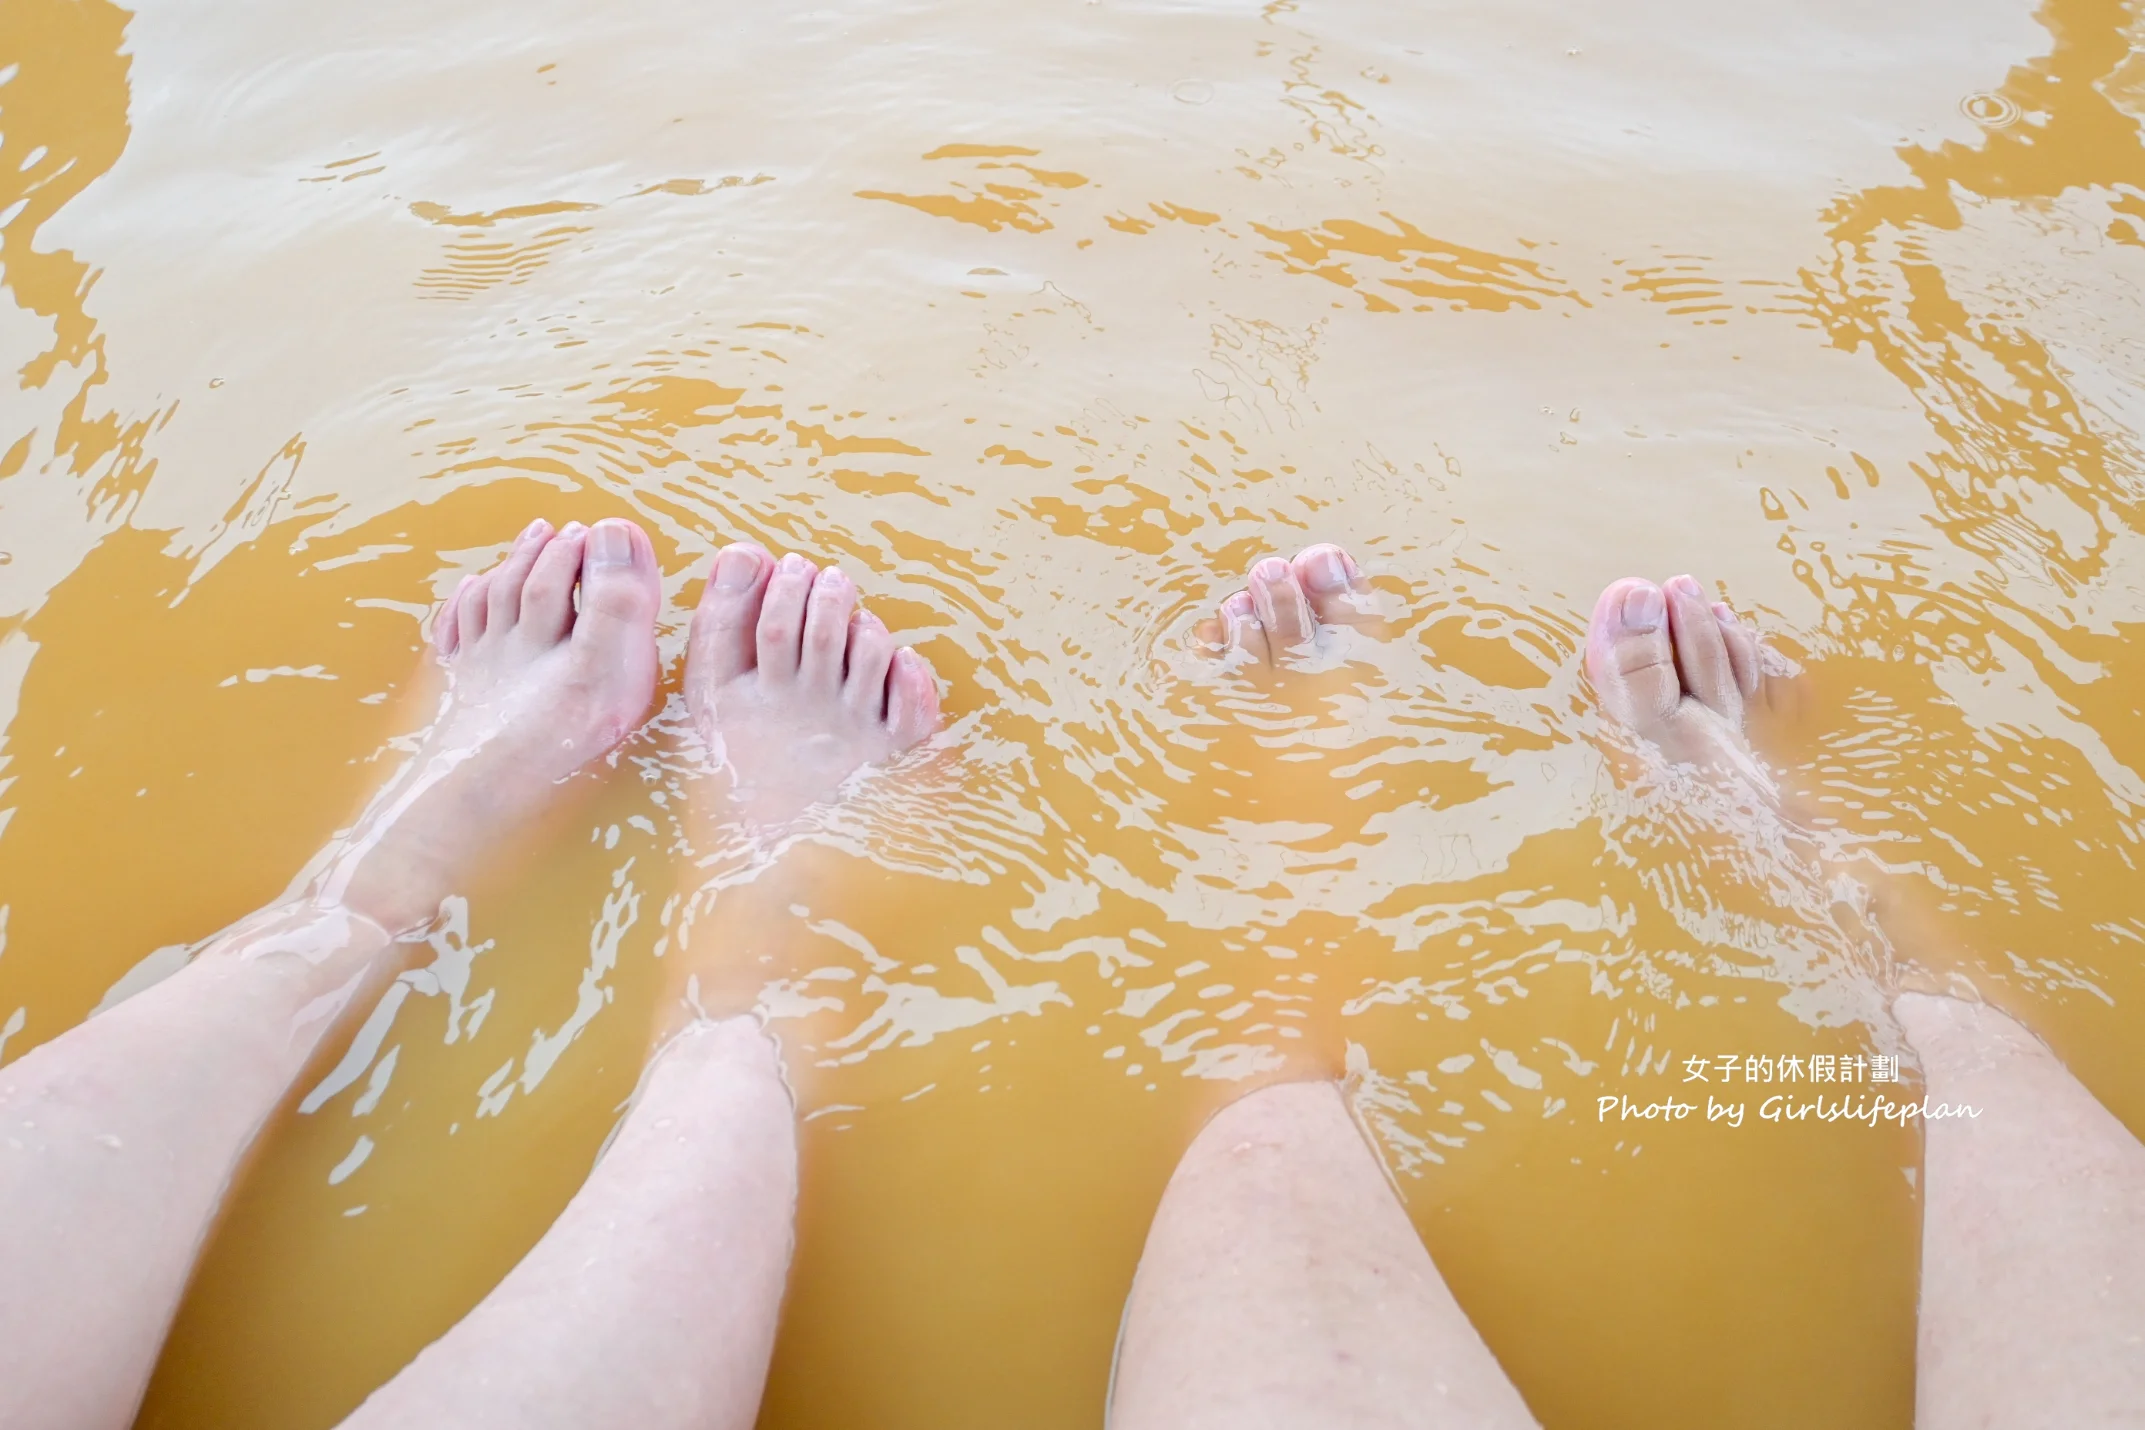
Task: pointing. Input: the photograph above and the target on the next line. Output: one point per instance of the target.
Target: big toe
(1703, 661)
(722, 644)
(1332, 583)
(1630, 658)
(620, 590)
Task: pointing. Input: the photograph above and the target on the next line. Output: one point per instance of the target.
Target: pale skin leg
(118, 1138)
(652, 1302)
(1283, 1288)
(2033, 1236)
(2033, 1219)
(1282, 1284)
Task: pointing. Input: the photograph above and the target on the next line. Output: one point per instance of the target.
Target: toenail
(1325, 571)
(610, 544)
(1643, 607)
(1686, 586)
(795, 565)
(832, 576)
(1722, 613)
(1238, 604)
(529, 532)
(1273, 568)
(572, 528)
(735, 568)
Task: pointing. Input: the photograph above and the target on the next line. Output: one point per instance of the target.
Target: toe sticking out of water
(1678, 674)
(1288, 612)
(794, 686)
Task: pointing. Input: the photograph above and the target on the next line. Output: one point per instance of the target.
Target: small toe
(620, 585)
(1241, 630)
(447, 624)
(1281, 605)
(473, 608)
(1742, 643)
(728, 617)
(547, 595)
(871, 654)
(911, 699)
(1629, 655)
(1331, 583)
(1701, 651)
(503, 605)
(825, 643)
(778, 639)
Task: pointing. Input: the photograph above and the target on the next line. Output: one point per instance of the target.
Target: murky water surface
(1046, 320)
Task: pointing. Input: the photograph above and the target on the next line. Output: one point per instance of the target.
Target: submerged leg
(2033, 1235)
(652, 1301)
(1283, 1286)
(2033, 1219)
(118, 1138)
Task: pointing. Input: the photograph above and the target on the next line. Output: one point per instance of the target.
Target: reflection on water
(1046, 324)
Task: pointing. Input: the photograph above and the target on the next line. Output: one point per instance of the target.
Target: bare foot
(1685, 677)
(537, 689)
(793, 685)
(1676, 672)
(1288, 605)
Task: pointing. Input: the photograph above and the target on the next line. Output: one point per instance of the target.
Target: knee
(734, 1061)
(1279, 1116)
(1953, 1036)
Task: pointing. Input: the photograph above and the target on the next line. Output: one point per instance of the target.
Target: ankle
(301, 952)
